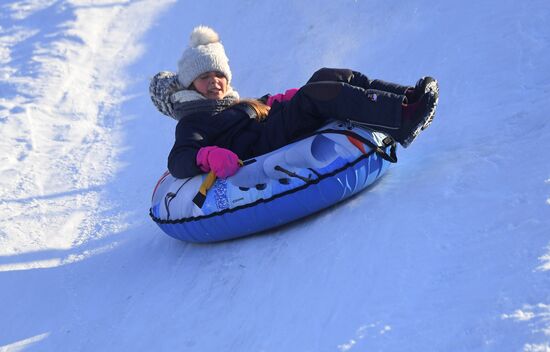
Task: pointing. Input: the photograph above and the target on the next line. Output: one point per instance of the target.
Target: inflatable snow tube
(287, 184)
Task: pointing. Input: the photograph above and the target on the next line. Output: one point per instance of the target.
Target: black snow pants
(356, 79)
(338, 94)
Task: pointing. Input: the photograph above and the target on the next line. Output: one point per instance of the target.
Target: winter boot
(423, 86)
(415, 118)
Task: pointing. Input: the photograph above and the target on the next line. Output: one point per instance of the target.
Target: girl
(216, 129)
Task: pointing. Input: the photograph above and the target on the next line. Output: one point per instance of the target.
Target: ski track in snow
(59, 112)
(463, 268)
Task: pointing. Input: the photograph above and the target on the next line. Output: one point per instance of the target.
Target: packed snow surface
(449, 252)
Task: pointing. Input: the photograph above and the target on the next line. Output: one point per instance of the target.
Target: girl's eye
(207, 76)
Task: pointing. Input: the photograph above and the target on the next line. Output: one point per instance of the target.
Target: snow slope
(449, 252)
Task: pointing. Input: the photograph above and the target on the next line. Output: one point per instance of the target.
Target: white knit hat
(204, 54)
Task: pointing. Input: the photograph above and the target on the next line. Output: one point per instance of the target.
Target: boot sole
(432, 87)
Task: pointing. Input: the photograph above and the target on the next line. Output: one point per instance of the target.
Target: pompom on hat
(204, 54)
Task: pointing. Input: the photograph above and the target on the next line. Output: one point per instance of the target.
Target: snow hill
(449, 252)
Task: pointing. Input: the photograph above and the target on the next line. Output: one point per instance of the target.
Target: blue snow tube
(287, 184)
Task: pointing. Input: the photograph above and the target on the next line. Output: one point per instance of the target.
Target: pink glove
(223, 162)
(286, 96)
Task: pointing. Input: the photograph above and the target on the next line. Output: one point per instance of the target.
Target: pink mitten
(223, 162)
(286, 96)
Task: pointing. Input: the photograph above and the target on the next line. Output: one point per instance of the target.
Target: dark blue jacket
(233, 129)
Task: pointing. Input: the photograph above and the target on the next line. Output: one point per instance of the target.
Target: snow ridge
(59, 114)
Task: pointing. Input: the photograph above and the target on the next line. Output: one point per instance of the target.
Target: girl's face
(213, 85)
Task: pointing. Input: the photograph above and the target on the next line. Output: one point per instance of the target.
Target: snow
(450, 251)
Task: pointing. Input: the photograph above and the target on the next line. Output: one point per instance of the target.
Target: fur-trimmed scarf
(169, 96)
